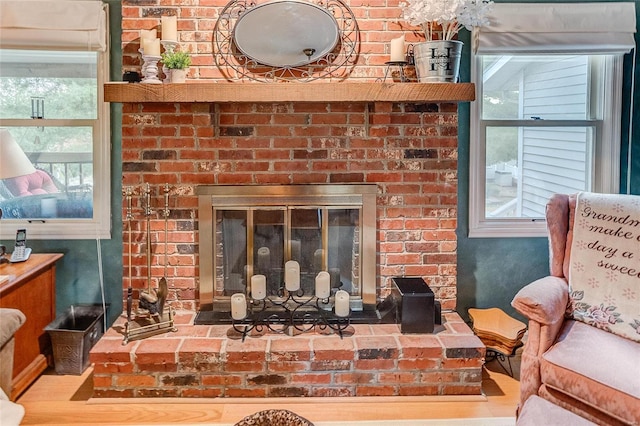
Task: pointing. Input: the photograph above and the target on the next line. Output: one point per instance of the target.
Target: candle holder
(169, 47)
(400, 65)
(292, 313)
(143, 69)
(150, 69)
(409, 60)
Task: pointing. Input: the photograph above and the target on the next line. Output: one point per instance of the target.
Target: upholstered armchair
(574, 356)
(10, 321)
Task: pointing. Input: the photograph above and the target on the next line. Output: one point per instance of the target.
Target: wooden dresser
(30, 286)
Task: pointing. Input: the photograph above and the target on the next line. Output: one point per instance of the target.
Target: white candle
(258, 287)
(317, 259)
(264, 259)
(335, 277)
(169, 28)
(238, 306)
(323, 286)
(292, 275)
(342, 303)
(143, 43)
(295, 250)
(151, 47)
(397, 49)
(148, 34)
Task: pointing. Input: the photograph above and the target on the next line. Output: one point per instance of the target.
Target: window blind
(57, 24)
(586, 28)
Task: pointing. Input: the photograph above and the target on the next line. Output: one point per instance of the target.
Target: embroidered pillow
(604, 275)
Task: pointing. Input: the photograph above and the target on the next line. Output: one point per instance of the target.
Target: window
(546, 121)
(52, 113)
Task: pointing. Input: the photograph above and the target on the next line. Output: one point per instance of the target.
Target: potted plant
(438, 58)
(177, 63)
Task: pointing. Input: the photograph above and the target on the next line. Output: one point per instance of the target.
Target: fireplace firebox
(256, 229)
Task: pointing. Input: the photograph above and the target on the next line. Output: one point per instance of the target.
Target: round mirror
(286, 33)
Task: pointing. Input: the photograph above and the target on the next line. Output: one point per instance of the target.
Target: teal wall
(492, 270)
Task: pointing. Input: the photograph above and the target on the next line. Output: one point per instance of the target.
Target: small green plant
(177, 60)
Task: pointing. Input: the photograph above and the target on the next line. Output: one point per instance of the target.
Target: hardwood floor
(66, 400)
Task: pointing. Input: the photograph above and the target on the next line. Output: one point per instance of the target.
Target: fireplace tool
(151, 319)
(149, 299)
(162, 285)
(127, 192)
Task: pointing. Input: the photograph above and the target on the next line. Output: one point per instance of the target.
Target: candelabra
(290, 312)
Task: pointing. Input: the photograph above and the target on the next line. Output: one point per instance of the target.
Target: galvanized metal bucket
(438, 61)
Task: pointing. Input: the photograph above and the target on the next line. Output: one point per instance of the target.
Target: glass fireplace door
(260, 240)
(247, 230)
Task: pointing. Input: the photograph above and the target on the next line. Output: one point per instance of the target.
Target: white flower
(474, 13)
(451, 15)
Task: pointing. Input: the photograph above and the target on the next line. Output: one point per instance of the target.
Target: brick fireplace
(407, 150)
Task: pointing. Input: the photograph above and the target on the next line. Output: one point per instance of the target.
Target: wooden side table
(30, 286)
(499, 332)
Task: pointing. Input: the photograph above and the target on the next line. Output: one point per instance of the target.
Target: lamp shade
(13, 160)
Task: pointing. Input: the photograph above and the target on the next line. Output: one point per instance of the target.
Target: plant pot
(438, 61)
(178, 76)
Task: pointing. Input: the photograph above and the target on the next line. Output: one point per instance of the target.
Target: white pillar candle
(317, 260)
(169, 28)
(143, 43)
(342, 303)
(258, 287)
(323, 285)
(334, 273)
(264, 259)
(148, 34)
(151, 47)
(292, 275)
(238, 306)
(397, 49)
(295, 250)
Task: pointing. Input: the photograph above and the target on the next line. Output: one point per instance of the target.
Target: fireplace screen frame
(212, 198)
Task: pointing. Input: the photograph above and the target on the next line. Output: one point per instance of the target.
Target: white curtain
(54, 24)
(529, 28)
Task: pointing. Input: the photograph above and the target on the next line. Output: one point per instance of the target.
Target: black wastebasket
(73, 334)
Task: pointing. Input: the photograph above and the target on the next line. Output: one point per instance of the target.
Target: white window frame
(71, 228)
(547, 29)
(606, 155)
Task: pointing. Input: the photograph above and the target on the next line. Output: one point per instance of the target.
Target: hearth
(255, 229)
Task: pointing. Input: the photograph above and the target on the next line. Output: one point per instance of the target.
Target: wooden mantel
(289, 92)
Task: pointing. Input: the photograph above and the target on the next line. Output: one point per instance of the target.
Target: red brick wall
(409, 150)
(378, 22)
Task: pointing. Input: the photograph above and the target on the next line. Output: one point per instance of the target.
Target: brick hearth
(200, 361)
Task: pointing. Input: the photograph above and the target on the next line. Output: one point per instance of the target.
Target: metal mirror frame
(235, 65)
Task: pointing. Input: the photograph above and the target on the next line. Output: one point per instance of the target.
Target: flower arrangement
(451, 15)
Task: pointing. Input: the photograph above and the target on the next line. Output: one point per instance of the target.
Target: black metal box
(416, 305)
(73, 334)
